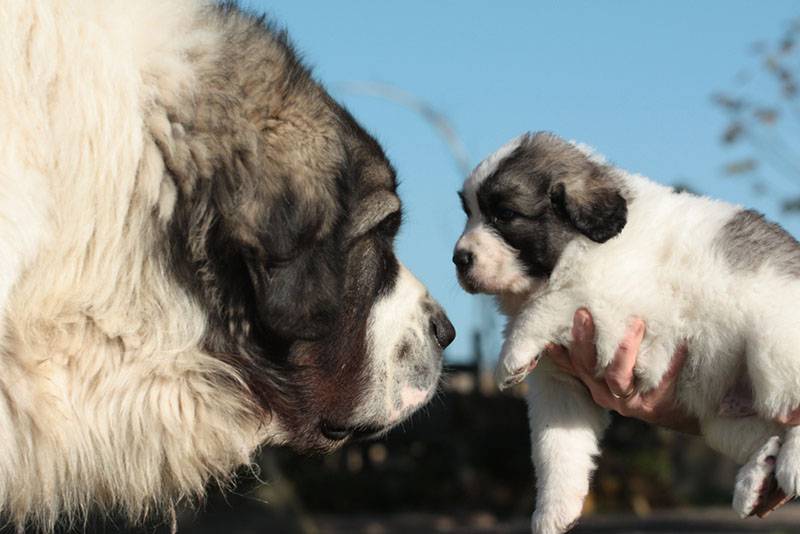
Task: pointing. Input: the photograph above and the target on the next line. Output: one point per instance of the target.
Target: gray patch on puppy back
(749, 242)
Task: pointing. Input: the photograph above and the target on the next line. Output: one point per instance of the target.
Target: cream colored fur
(106, 397)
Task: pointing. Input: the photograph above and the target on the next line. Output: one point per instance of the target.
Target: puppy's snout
(441, 328)
(462, 259)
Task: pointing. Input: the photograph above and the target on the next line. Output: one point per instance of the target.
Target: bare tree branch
(432, 116)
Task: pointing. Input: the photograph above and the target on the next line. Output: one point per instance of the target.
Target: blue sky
(631, 78)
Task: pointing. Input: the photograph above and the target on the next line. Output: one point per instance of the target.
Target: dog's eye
(505, 215)
(391, 224)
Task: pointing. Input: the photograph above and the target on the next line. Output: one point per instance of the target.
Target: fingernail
(580, 325)
(639, 328)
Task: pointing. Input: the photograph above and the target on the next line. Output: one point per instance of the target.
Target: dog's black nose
(462, 259)
(442, 328)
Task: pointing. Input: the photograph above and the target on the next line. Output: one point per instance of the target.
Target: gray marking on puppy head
(583, 190)
(544, 193)
(749, 242)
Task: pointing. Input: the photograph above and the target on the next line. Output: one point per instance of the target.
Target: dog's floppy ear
(296, 271)
(294, 274)
(298, 299)
(591, 202)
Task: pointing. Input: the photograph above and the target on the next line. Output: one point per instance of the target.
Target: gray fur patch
(749, 242)
(545, 193)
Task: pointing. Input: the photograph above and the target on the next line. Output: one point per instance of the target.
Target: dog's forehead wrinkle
(373, 209)
(366, 158)
(378, 173)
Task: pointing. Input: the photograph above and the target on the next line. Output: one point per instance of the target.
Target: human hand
(615, 389)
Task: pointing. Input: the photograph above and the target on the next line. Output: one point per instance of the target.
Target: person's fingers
(670, 379)
(676, 364)
(583, 356)
(582, 353)
(790, 419)
(560, 358)
(619, 373)
(666, 388)
(600, 394)
(659, 406)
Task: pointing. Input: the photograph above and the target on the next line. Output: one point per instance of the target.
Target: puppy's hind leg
(787, 465)
(755, 479)
(751, 441)
(565, 429)
(773, 367)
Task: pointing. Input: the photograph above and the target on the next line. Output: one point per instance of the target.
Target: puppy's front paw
(787, 466)
(516, 362)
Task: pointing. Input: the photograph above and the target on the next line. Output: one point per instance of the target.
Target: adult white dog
(196, 257)
(553, 227)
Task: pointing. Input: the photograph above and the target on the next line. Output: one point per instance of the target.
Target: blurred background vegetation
(763, 128)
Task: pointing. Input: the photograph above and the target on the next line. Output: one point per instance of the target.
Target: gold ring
(624, 396)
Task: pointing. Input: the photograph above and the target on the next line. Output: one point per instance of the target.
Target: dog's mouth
(475, 285)
(519, 286)
(409, 401)
(474, 288)
(335, 432)
(469, 285)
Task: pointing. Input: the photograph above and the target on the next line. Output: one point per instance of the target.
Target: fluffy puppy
(553, 227)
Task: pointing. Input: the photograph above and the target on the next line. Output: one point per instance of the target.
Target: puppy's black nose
(462, 259)
(442, 328)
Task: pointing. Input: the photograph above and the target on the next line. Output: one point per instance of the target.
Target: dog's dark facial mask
(524, 204)
(297, 275)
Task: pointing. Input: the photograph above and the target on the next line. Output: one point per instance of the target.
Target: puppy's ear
(591, 203)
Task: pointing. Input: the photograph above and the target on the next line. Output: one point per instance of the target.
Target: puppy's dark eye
(505, 215)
